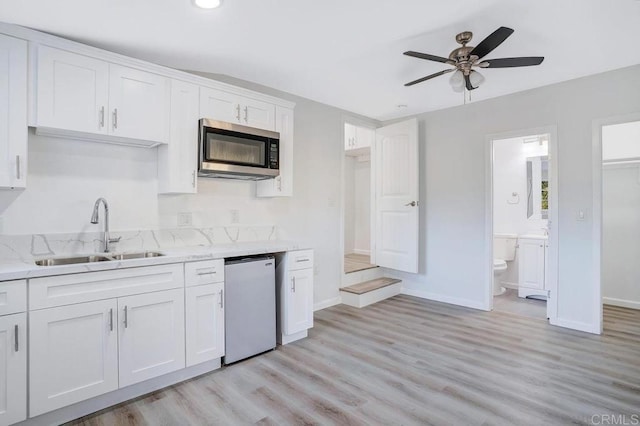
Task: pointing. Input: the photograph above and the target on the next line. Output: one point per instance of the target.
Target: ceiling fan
(464, 59)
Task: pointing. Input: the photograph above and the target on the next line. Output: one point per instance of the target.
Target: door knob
(412, 204)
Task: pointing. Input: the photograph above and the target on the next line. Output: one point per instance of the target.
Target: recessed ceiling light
(207, 4)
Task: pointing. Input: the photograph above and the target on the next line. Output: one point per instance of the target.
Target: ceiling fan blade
(525, 61)
(420, 80)
(494, 40)
(468, 83)
(429, 57)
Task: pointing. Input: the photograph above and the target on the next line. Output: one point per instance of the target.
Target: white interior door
(395, 170)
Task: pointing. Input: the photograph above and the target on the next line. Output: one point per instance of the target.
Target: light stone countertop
(23, 270)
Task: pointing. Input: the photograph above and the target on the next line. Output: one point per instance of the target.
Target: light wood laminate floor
(510, 302)
(410, 361)
(357, 262)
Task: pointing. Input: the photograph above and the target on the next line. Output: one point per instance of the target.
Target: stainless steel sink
(72, 260)
(140, 255)
(95, 258)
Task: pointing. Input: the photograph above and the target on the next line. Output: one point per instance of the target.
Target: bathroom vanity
(532, 265)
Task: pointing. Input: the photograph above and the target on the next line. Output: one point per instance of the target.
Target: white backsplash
(25, 248)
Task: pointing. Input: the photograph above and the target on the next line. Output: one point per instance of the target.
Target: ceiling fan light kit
(466, 60)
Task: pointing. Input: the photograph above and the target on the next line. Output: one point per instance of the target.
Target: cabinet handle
(115, 118)
(111, 319)
(293, 284)
(193, 179)
(222, 299)
(238, 112)
(302, 259)
(126, 319)
(16, 343)
(246, 114)
(18, 167)
(102, 117)
(207, 273)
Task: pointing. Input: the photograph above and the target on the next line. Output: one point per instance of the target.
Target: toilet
(504, 250)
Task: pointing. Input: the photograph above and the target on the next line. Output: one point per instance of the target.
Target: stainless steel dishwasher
(250, 307)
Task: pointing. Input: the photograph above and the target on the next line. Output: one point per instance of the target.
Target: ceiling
(348, 53)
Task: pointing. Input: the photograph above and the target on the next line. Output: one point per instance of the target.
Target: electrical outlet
(235, 215)
(185, 219)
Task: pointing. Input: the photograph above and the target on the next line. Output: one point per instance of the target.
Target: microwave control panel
(273, 155)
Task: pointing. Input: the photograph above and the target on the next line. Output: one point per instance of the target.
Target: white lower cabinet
(151, 335)
(13, 368)
(73, 354)
(294, 275)
(204, 323)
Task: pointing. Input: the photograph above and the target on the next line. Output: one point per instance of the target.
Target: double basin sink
(106, 257)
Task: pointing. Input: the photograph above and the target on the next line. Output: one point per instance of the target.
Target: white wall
(349, 202)
(453, 161)
(362, 204)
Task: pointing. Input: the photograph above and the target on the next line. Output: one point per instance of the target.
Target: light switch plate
(185, 219)
(235, 215)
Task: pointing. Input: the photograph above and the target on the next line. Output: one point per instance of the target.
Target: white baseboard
(577, 325)
(445, 299)
(364, 252)
(326, 303)
(631, 304)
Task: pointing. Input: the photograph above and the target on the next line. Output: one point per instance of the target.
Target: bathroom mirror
(538, 187)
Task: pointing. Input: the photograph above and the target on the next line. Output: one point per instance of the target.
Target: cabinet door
(13, 112)
(363, 137)
(531, 264)
(13, 368)
(177, 161)
(151, 335)
(73, 354)
(258, 114)
(219, 105)
(205, 323)
(281, 186)
(349, 136)
(72, 91)
(139, 104)
(299, 302)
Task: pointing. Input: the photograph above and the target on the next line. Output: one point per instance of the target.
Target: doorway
(521, 223)
(620, 244)
(357, 198)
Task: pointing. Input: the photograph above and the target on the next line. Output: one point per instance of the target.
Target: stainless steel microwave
(228, 150)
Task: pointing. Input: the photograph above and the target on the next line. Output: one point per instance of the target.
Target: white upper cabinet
(177, 161)
(72, 91)
(358, 139)
(13, 112)
(232, 108)
(139, 104)
(80, 96)
(281, 186)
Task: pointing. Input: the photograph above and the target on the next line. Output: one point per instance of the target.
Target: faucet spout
(95, 219)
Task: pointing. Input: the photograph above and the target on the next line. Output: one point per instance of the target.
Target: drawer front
(204, 272)
(13, 297)
(85, 287)
(300, 259)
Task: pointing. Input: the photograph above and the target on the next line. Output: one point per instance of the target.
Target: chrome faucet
(94, 219)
